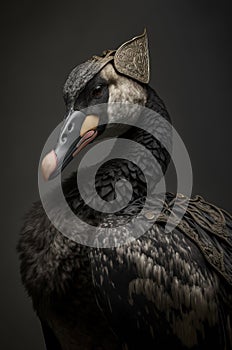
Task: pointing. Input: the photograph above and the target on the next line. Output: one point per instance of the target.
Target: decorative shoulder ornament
(208, 226)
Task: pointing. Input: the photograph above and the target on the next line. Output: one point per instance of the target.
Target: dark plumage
(162, 289)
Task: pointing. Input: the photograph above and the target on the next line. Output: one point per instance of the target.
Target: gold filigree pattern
(211, 220)
(132, 58)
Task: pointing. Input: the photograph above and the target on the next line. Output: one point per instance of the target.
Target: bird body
(158, 290)
(161, 288)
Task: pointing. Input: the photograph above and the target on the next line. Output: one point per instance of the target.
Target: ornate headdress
(130, 59)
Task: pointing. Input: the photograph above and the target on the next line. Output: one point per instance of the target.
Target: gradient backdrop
(190, 48)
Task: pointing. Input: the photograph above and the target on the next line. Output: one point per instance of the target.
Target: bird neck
(130, 159)
(141, 162)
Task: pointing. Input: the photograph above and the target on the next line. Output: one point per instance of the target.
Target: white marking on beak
(90, 123)
(49, 164)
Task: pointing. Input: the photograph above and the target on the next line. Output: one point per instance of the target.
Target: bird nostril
(70, 127)
(63, 138)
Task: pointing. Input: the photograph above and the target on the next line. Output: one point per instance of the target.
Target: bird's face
(90, 111)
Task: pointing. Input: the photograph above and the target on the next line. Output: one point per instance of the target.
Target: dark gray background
(190, 47)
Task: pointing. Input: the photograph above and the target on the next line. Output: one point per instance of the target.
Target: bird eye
(97, 92)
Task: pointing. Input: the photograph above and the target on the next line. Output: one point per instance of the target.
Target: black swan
(159, 289)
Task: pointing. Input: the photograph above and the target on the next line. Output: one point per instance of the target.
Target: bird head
(91, 94)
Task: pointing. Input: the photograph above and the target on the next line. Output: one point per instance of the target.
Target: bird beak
(77, 132)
